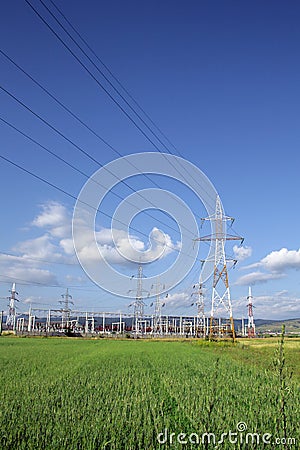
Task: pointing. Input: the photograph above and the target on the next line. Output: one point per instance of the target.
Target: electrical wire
(101, 85)
(83, 173)
(43, 180)
(118, 81)
(104, 76)
(93, 76)
(113, 76)
(78, 119)
(78, 148)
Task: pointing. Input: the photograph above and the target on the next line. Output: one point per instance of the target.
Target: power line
(77, 147)
(93, 76)
(113, 76)
(83, 173)
(101, 85)
(60, 103)
(43, 180)
(104, 76)
(79, 120)
(39, 283)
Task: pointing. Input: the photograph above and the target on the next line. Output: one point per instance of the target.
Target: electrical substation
(218, 323)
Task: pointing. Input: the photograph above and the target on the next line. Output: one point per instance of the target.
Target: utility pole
(221, 299)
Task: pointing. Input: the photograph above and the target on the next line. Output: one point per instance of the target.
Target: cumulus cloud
(33, 254)
(55, 218)
(275, 264)
(279, 306)
(31, 275)
(178, 300)
(39, 248)
(241, 253)
(282, 260)
(257, 278)
(116, 247)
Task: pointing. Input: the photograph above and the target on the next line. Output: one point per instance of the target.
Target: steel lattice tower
(138, 304)
(11, 316)
(157, 323)
(251, 325)
(221, 299)
(200, 308)
(65, 316)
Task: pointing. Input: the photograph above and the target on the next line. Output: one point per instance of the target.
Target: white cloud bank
(279, 306)
(273, 266)
(282, 260)
(55, 245)
(116, 247)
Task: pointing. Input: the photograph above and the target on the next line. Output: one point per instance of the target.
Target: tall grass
(84, 395)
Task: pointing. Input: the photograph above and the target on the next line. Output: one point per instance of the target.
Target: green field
(120, 394)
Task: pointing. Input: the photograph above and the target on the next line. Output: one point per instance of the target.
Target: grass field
(110, 394)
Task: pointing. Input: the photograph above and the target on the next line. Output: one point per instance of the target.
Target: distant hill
(274, 326)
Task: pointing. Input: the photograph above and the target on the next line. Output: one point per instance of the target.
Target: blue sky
(221, 79)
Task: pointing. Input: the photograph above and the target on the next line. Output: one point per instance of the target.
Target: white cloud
(33, 254)
(282, 260)
(279, 306)
(275, 264)
(67, 245)
(241, 253)
(257, 278)
(31, 275)
(116, 247)
(178, 300)
(55, 218)
(39, 248)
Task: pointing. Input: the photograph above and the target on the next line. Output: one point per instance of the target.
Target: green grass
(107, 394)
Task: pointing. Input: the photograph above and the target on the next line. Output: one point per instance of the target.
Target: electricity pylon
(11, 316)
(138, 304)
(220, 290)
(65, 316)
(200, 326)
(251, 325)
(159, 304)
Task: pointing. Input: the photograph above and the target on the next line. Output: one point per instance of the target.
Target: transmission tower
(65, 312)
(251, 325)
(11, 316)
(200, 326)
(220, 290)
(138, 304)
(159, 304)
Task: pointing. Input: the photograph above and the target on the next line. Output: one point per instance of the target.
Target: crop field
(146, 394)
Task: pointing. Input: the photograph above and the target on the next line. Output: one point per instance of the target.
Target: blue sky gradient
(221, 79)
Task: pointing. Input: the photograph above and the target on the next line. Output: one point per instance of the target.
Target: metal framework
(221, 299)
(66, 311)
(251, 325)
(159, 304)
(138, 304)
(11, 316)
(43, 321)
(200, 324)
